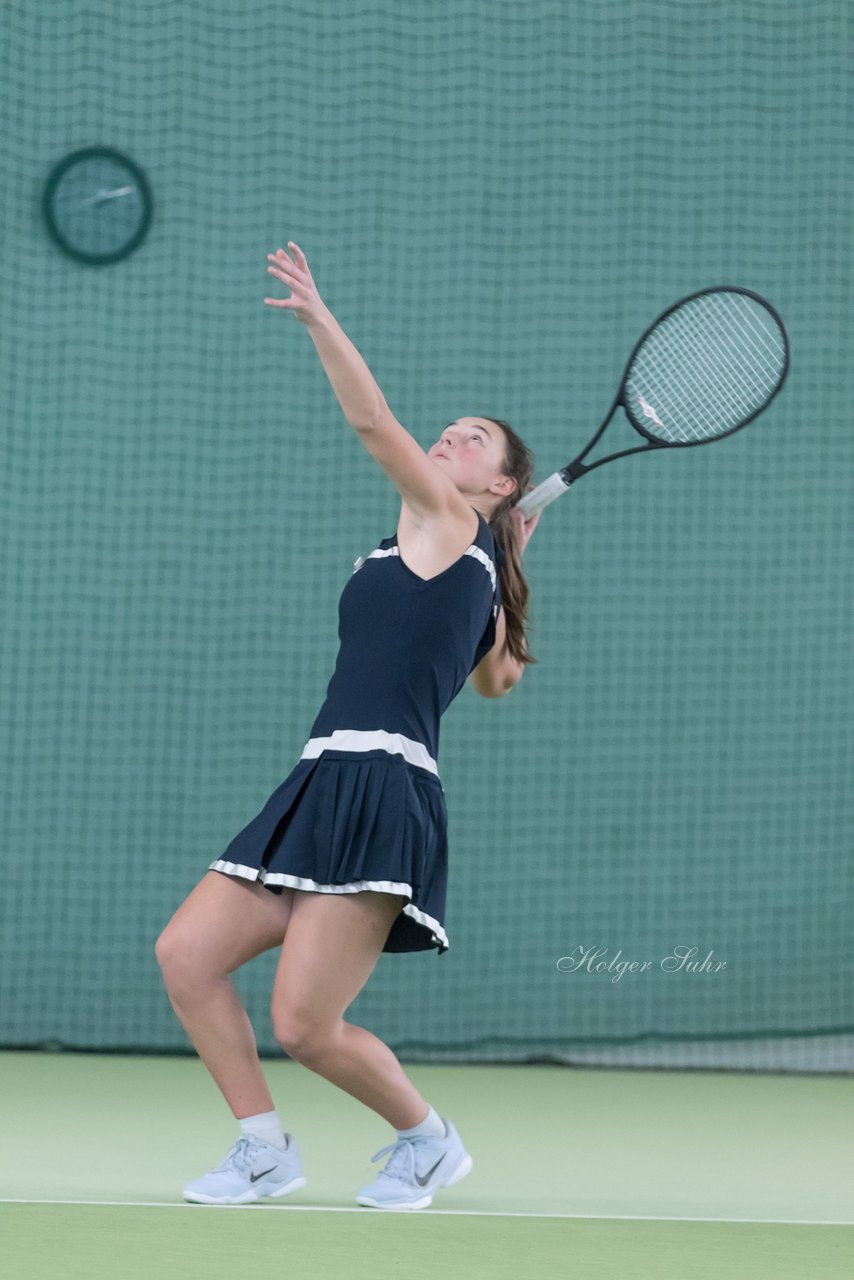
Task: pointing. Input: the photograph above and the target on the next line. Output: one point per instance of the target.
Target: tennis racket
(708, 365)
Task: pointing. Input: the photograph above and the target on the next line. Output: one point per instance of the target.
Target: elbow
(371, 418)
(484, 689)
(509, 678)
(486, 685)
(493, 680)
(513, 675)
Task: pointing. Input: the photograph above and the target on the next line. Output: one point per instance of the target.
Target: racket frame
(559, 481)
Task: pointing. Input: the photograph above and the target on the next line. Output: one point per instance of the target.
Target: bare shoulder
(431, 544)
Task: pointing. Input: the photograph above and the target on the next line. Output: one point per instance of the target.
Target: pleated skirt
(353, 822)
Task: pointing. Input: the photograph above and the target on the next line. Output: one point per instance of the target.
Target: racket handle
(550, 488)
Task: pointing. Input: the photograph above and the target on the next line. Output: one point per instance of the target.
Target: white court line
(464, 1213)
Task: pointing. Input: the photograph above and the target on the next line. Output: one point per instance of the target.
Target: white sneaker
(251, 1169)
(418, 1167)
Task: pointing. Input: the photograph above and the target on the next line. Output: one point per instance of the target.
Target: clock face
(97, 205)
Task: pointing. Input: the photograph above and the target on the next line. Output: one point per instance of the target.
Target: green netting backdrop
(495, 199)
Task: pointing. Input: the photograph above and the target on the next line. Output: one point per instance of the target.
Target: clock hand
(108, 195)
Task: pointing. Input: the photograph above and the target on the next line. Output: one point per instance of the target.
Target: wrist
(320, 320)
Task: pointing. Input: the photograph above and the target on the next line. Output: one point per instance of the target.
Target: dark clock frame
(55, 227)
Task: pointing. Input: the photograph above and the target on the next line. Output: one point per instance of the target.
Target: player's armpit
(426, 489)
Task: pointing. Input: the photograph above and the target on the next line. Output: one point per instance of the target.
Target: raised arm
(352, 380)
(427, 489)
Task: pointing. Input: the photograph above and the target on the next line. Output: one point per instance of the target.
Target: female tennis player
(348, 857)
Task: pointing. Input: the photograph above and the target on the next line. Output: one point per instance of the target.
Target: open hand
(305, 302)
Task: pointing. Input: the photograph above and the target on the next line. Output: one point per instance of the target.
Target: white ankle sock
(432, 1125)
(267, 1127)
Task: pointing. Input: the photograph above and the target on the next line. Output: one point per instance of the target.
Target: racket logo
(649, 412)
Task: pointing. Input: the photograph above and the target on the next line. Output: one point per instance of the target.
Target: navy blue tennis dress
(364, 807)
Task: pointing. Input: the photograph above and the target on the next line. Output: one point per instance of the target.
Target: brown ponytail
(518, 463)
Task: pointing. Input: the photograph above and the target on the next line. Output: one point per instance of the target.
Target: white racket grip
(552, 487)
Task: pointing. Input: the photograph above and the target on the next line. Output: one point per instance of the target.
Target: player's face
(471, 450)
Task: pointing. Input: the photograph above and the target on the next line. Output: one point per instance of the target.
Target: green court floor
(577, 1173)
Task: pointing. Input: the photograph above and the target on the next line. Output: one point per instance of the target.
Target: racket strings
(705, 360)
(677, 391)
(724, 376)
(708, 366)
(675, 375)
(749, 312)
(755, 389)
(734, 368)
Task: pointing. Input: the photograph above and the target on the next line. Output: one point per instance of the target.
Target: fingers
(294, 273)
(281, 266)
(281, 259)
(298, 256)
(288, 277)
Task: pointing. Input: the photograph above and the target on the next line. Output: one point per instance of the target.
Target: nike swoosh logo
(253, 1177)
(422, 1182)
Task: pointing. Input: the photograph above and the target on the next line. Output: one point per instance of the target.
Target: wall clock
(97, 204)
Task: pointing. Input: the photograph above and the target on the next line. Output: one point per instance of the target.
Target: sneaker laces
(402, 1160)
(240, 1156)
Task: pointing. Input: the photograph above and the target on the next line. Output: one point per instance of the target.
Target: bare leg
(331, 948)
(363, 1065)
(223, 923)
(219, 1027)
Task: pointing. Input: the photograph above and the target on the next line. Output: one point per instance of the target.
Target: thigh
(332, 946)
(222, 923)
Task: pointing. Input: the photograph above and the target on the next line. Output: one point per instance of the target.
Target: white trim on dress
(356, 886)
(372, 740)
(473, 550)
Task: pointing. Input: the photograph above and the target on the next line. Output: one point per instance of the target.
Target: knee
(176, 962)
(300, 1034)
(163, 949)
